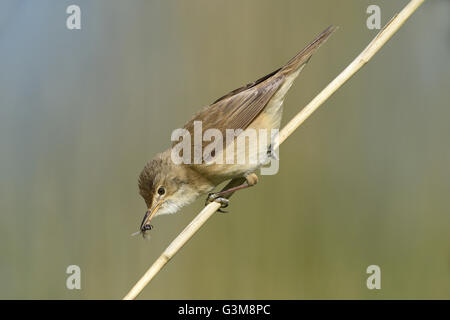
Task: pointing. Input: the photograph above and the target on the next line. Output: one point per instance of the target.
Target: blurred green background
(366, 180)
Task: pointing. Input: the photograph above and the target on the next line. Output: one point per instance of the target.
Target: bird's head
(166, 187)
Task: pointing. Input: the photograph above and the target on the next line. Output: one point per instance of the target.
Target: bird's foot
(215, 197)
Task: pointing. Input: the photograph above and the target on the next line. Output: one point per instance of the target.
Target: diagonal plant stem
(382, 37)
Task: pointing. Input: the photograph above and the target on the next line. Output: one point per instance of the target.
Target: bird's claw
(271, 153)
(213, 197)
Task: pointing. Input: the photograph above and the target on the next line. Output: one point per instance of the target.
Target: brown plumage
(166, 187)
(238, 108)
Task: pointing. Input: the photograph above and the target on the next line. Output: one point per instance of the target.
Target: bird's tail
(303, 56)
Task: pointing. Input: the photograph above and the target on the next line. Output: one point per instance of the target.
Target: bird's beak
(150, 214)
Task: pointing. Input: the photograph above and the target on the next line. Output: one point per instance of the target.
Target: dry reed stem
(382, 37)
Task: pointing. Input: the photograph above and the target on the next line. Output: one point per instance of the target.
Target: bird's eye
(161, 191)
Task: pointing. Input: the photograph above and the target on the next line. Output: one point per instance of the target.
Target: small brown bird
(167, 186)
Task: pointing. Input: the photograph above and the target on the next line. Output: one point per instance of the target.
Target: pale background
(366, 180)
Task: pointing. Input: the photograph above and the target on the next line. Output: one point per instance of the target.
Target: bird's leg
(234, 185)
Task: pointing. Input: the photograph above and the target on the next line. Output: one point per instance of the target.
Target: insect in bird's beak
(142, 231)
(145, 225)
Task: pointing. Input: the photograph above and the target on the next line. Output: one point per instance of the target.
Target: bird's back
(255, 106)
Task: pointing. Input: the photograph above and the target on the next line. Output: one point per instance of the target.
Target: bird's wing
(238, 108)
(235, 110)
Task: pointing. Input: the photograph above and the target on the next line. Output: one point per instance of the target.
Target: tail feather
(303, 56)
(293, 65)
